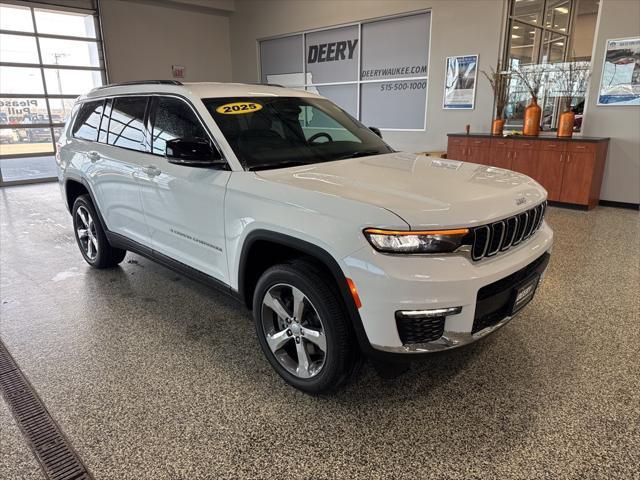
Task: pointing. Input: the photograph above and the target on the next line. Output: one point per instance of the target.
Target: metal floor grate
(58, 459)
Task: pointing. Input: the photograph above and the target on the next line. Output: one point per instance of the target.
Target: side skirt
(120, 241)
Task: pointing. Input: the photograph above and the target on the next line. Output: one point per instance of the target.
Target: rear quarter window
(87, 122)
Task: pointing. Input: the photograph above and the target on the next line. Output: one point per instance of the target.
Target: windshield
(274, 132)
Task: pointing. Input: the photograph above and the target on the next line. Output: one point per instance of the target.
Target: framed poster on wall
(620, 82)
(460, 82)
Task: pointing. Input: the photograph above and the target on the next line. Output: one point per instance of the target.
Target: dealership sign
(332, 52)
(18, 107)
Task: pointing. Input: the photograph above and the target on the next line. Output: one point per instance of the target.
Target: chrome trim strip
(534, 221)
(524, 227)
(507, 245)
(436, 312)
(448, 340)
(491, 253)
(530, 221)
(486, 243)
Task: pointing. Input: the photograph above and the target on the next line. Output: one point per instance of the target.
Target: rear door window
(88, 121)
(126, 124)
(173, 118)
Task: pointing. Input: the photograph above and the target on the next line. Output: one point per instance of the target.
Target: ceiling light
(516, 27)
(562, 9)
(561, 44)
(516, 36)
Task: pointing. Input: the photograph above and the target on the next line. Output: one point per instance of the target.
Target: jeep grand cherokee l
(339, 245)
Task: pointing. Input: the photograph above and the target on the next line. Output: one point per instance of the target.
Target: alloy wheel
(293, 330)
(86, 232)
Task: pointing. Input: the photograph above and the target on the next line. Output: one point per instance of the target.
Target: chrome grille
(504, 234)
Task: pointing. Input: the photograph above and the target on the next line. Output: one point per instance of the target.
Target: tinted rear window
(126, 125)
(88, 121)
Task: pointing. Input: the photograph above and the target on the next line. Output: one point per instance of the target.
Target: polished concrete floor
(152, 376)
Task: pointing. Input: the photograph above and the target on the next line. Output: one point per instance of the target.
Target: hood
(426, 192)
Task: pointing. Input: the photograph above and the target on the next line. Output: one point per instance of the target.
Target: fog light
(436, 312)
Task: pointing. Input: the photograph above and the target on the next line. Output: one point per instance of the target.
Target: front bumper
(390, 283)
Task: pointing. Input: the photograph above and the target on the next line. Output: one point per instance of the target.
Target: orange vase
(532, 115)
(566, 123)
(497, 127)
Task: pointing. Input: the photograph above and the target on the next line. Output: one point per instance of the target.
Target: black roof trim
(141, 82)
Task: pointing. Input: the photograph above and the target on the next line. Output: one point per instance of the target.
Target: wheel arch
(251, 266)
(76, 186)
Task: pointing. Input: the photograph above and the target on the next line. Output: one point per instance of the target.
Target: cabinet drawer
(479, 142)
(458, 141)
(551, 145)
(501, 142)
(581, 147)
(526, 144)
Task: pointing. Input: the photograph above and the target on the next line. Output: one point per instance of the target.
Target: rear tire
(303, 328)
(90, 237)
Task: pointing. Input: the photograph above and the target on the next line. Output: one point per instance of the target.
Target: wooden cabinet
(576, 177)
(549, 172)
(478, 150)
(457, 148)
(571, 170)
(525, 160)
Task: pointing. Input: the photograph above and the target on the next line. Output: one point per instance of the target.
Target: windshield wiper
(359, 153)
(268, 166)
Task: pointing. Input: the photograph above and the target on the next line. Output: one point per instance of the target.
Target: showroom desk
(571, 169)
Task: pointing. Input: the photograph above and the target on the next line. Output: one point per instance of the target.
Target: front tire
(90, 237)
(303, 328)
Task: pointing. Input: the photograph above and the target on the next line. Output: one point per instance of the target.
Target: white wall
(216, 40)
(618, 19)
(458, 27)
(143, 39)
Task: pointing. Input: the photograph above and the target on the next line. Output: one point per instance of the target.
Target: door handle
(151, 170)
(93, 156)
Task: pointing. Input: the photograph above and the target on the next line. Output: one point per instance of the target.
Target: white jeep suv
(340, 245)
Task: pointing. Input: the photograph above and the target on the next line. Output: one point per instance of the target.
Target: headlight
(430, 241)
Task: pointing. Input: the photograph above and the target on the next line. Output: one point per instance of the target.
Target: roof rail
(268, 84)
(140, 82)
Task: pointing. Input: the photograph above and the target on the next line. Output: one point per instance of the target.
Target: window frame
(145, 115)
(148, 125)
(43, 67)
(539, 47)
(359, 81)
(541, 29)
(153, 107)
(75, 127)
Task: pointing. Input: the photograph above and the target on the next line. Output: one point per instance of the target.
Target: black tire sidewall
(328, 306)
(104, 248)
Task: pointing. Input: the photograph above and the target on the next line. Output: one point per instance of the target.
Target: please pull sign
(332, 52)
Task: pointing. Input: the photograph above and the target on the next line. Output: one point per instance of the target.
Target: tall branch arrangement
(571, 80)
(533, 78)
(499, 82)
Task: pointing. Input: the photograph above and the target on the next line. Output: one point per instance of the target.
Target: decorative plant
(499, 81)
(571, 80)
(533, 77)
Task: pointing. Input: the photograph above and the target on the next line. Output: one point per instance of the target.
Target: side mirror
(376, 130)
(192, 152)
